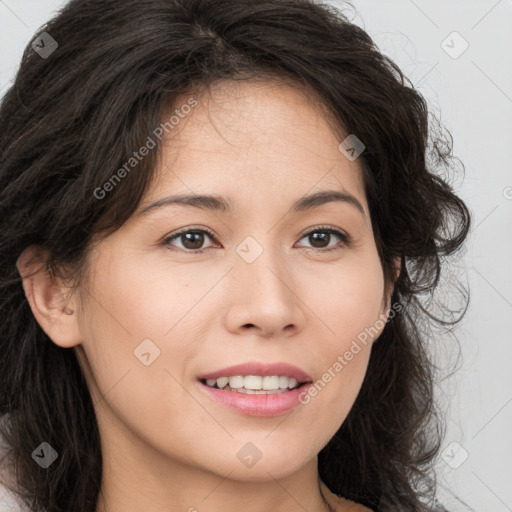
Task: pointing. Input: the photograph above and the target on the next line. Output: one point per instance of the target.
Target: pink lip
(257, 405)
(264, 370)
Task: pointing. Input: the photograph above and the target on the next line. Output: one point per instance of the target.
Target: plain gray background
(472, 92)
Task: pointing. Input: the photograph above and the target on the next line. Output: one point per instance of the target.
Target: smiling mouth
(285, 384)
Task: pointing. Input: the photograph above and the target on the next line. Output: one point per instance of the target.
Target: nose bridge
(259, 264)
(262, 295)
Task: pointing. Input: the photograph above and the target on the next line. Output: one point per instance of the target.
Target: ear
(49, 298)
(386, 300)
(397, 267)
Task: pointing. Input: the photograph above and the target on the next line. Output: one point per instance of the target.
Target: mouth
(255, 384)
(257, 389)
(255, 402)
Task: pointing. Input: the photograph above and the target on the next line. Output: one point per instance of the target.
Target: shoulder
(341, 504)
(8, 501)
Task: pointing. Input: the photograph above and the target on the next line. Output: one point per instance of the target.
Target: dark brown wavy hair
(71, 119)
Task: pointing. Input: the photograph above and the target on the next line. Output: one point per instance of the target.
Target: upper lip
(262, 369)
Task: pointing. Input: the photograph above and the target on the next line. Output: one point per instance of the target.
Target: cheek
(129, 304)
(349, 305)
(136, 301)
(346, 297)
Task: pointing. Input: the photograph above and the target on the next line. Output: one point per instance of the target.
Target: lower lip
(258, 405)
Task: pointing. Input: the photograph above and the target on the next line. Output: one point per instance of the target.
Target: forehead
(250, 133)
(243, 113)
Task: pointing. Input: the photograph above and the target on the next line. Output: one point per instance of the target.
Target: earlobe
(48, 298)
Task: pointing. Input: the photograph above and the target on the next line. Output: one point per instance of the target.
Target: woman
(218, 223)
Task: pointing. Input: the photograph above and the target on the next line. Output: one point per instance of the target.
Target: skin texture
(166, 445)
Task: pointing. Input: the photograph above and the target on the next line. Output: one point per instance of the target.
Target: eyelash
(345, 239)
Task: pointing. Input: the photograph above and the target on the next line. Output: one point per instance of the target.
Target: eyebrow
(224, 205)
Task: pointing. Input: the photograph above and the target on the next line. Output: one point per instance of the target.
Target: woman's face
(157, 315)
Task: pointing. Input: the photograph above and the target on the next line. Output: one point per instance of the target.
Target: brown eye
(190, 239)
(320, 238)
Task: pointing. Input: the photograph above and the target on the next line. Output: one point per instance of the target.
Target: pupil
(319, 236)
(198, 242)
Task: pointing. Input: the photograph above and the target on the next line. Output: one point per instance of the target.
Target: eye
(192, 239)
(322, 235)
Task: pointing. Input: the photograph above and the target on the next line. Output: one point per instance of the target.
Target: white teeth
(236, 382)
(271, 382)
(221, 382)
(254, 383)
(283, 382)
(292, 382)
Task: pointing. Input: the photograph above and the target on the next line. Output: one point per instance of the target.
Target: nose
(264, 296)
